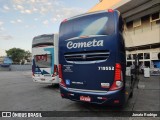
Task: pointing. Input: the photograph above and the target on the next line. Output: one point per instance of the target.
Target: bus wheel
(131, 95)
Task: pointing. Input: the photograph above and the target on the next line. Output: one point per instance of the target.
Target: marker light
(65, 20)
(110, 10)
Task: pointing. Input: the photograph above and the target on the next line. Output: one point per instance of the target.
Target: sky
(21, 20)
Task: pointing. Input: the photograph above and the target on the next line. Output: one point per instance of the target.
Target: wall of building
(20, 67)
(147, 32)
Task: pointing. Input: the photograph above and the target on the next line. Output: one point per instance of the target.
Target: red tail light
(110, 10)
(118, 82)
(65, 20)
(62, 83)
(117, 72)
(55, 71)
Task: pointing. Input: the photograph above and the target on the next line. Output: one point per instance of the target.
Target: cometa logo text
(93, 43)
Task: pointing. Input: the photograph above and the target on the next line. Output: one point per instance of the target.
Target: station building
(142, 18)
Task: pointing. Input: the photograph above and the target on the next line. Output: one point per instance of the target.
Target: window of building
(134, 56)
(158, 21)
(129, 57)
(145, 20)
(155, 17)
(129, 64)
(146, 55)
(147, 63)
(130, 25)
(140, 56)
(137, 23)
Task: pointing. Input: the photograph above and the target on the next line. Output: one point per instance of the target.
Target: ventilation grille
(87, 56)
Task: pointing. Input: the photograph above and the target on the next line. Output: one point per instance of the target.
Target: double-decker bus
(92, 59)
(45, 59)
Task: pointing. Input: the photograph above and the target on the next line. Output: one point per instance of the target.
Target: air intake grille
(87, 56)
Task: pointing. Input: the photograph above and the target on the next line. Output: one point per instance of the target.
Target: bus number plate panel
(86, 99)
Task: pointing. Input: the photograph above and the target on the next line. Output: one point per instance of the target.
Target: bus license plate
(83, 98)
(43, 79)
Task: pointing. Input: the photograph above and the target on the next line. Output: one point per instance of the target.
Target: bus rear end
(89, 70)
(45, 65)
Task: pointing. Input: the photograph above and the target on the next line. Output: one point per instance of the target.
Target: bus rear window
(43, 40)
(96, 24)
(43, 61)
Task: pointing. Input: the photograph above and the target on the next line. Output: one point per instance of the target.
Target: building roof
(130, 9)
(104, 4)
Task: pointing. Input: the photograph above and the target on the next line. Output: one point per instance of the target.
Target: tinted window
(147, 63)
(146, 55)
(43, 40)
(140, 56)
(43, 61)
(96, 24)
(129, 57)
(134, 56)
(129, 64)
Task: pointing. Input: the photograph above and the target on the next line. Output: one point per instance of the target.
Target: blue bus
(92, 59)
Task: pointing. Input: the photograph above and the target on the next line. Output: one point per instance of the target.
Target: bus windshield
(94, 24)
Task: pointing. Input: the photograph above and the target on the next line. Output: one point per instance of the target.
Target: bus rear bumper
(46, 81)
(111, 98)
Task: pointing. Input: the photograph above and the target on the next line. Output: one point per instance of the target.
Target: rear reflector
(116, 101)
(62, 95)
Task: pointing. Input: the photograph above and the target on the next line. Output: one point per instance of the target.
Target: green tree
(16, 54)
(27, 55)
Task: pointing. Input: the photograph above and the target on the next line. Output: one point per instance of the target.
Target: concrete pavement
(19, 93)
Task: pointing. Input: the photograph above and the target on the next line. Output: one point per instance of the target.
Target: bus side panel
(56, 61)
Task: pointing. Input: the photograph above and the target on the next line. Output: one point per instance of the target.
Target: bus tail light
(61, 82)
(55, 71)
(62, 95)
(117, 72)
(110, 10)
(118, 82)
(65, 20)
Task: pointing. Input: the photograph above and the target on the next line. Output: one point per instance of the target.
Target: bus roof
(91, 13)
(45, 39)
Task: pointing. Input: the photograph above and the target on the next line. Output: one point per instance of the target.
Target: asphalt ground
(19, 93)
